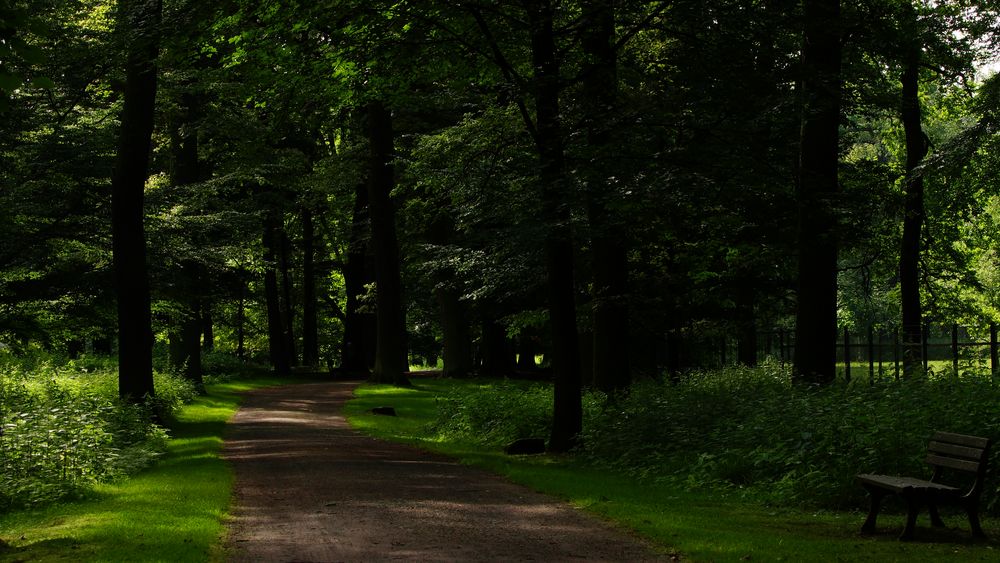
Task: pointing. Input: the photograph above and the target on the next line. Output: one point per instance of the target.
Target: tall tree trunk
(190, 276)
(608, 242)
(287, 303)
(191, 341)
(567, 417)
(913, 206)
(456, 334)
(140, 22)
(310, 331)
(358, 338)
(816, 317)
(390, 360)
(241, 318)
(275, 327)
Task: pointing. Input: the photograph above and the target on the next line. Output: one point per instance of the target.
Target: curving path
(309, 488)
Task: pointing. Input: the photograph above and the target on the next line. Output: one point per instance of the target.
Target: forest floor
(309, 488)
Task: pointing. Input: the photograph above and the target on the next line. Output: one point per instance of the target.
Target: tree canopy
(587, 190)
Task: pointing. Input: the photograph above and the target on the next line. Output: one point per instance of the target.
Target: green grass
(701, 526)
(172, 512)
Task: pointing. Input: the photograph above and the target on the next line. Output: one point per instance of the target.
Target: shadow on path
(309, 488)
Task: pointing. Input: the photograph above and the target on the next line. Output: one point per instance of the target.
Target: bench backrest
(959, 452)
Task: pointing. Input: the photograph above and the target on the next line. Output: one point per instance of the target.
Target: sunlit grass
(702, 526)
(172, 512)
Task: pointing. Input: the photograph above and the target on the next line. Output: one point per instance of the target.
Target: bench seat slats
(901, 484)
(952, 450)
(961, 439)
(952, 463)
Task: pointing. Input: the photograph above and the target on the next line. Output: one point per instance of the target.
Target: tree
(567, 416)
(140, 25)
(608, 242)
(816, 313)
(390, 356)
(913, 208)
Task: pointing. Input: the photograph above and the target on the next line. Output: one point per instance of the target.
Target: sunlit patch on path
(309, 488)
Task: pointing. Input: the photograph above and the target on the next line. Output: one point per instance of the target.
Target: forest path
(309, 488)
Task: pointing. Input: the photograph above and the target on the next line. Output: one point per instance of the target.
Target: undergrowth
(746, 430)
(63, 429)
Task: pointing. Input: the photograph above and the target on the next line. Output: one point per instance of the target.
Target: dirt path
(308, 488)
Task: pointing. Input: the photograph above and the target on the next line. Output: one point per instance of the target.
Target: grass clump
(63, 428)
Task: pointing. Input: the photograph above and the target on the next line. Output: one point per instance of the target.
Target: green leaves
(63, 428)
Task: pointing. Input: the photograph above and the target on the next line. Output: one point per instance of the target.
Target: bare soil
(309, 488)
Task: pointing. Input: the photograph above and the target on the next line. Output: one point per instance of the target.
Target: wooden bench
(948, 454)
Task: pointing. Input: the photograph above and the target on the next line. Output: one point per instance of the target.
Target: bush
(495, 413)
(752, 429)
(62, 428)
(745, 429)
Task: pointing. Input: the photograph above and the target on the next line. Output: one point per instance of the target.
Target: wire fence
(877, 353)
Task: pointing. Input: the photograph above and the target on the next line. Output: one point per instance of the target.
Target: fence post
(954, 348)
(993, 349)
(847, 355)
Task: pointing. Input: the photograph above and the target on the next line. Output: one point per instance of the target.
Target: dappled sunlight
(311, 488)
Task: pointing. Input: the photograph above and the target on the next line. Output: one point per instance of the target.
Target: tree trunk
(816, 316)
(527, 349)
(913, 208)
(310, 331)
(190, 276)
(498, 357)
(241, 318)
(191, 342)
(455, 330)
(358, 338)
(287, 304)
(175, 348)
(275, 327)
(746, 318)
(609, 249)
(140, 22)
(208, 329)
(390, 358)
(567, 417)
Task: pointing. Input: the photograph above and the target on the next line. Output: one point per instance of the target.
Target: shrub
(752, 429)
(62, 428)
(495, 413)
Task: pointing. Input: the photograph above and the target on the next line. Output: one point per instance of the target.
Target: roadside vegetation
(725, 465)
(64, 429)
(68, 439)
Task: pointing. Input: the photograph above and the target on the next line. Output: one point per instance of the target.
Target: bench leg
(877, 495)
(912, 508)
(935, 517)
(977, 530)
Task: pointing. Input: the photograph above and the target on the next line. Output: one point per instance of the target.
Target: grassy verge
(172, 512)
(702, 526)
